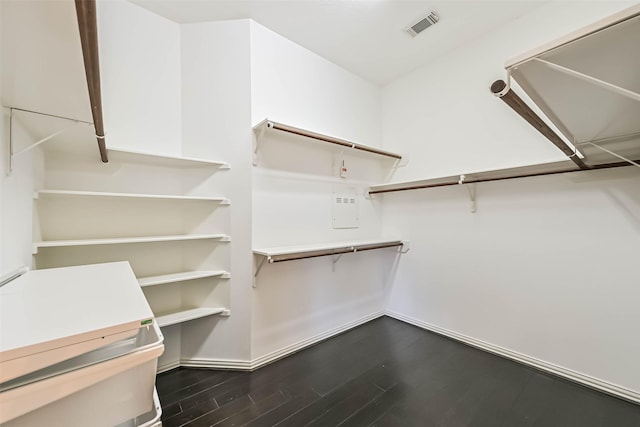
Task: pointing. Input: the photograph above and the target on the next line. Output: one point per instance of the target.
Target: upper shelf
(98, 194)
(587, 84)
(118, 154)
(126, 240)
(270, 124)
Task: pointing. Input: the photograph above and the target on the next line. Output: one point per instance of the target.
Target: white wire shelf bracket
(267, 124)
(292, 253)
(97, 194)
(13, 153)
(181, 277)
(598, 82)
(127, 240)
(190, 314)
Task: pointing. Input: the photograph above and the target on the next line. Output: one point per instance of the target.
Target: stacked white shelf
(160, 213)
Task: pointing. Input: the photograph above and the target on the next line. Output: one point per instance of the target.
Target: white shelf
(126, 240)
(186, 315)
(272, 125)
(118, 154)
(483, 176)
(70, 193)
(180, 277)
(322, 249)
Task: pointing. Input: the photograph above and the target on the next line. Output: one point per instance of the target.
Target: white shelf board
(271, 124)
(316, 247)
(125, 240)
(186, 315)
(487, 175)
(180, 277)
(71, 193)
(119, 154)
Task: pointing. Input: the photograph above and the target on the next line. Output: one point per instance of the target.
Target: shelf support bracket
(335, 259)
(256, 141)
(259, 267)
(471, 189)
(13, 154)
(603, 84)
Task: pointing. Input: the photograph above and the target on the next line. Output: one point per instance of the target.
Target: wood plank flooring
(386, 373)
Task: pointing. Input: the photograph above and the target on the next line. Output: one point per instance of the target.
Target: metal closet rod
(471, 180)
(327, 252)
(500, 89)
(331, 140)
(88, 27)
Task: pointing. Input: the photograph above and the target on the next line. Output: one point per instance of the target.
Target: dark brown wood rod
(471, 180)
(328, 252)
(519, 106)
(88, 26)
(335, 141)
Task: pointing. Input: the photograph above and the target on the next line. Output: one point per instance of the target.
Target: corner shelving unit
(170, 228)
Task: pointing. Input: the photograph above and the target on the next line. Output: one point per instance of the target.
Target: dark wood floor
(386, 373)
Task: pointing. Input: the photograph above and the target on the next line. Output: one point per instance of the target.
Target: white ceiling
(365, 37)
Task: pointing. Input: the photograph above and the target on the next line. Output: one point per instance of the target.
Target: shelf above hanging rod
(271, 125)
(493, 175)
(296, 252)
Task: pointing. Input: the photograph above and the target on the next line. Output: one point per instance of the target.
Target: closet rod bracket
(14, 154)
(471, 189)
(334, 260)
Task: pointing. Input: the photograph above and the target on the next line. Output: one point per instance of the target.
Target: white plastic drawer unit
(78, 346)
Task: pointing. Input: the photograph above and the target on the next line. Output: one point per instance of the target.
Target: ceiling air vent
(423, 24)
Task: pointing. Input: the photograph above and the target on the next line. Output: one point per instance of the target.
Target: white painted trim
(234, 365)
(292, 348)
(589, 381)
(251, 365)
(168, 366)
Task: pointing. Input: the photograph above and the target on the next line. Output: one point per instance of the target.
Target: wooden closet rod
(88, 26)
(327, 252)
(331, 140)
(519, 106)
(471, 180)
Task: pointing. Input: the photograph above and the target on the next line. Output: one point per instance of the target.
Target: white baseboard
(168, 366)
(233, 365)
(292, 348)
(250, 365)
(595, 383)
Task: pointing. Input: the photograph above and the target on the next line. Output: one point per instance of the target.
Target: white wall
(293, 183)
(27, 83)
(141, 78)
(217, 125)
(292, 85)
(546, 267)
